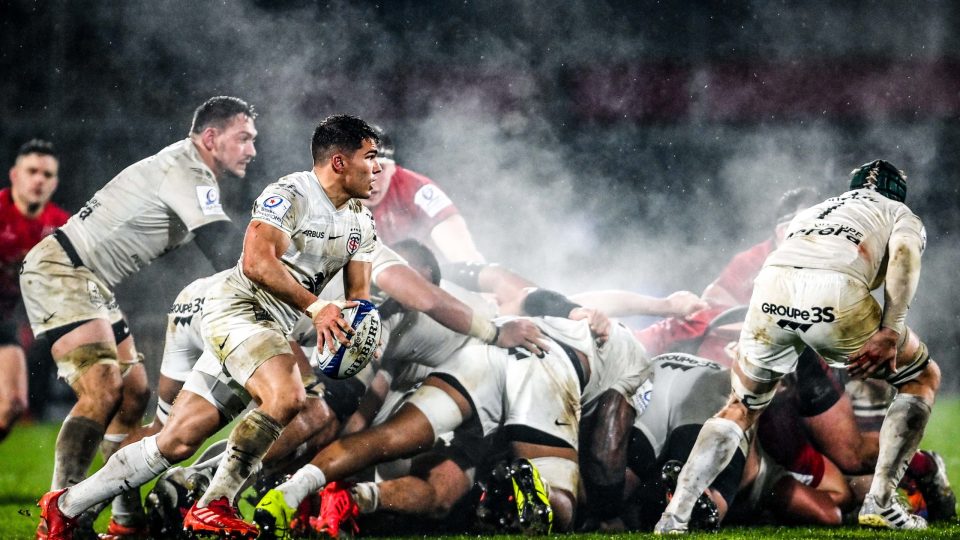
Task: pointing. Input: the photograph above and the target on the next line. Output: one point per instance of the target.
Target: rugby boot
(670, 524)
(53, 524)
(497, 509)
(935, 487)
(219, 518)
(892, 516)
(273, 515)
(116, 531)
(533, 504)
(705, 515)
(338, 512)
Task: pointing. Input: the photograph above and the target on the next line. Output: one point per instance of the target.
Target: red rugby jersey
(412, 207)
(18, 234)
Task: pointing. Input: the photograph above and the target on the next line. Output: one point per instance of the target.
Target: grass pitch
(26, 463)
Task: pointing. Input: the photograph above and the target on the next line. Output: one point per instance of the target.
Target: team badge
(353, 243)
(273, 202)
(209, 199)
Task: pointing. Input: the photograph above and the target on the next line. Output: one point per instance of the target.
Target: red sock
(921, 465)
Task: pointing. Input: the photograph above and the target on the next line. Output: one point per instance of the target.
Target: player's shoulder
(407, 178)
(179, 161)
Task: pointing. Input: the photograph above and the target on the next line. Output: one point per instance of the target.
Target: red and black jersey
(412, 207)
(18, 234)
(737, 277)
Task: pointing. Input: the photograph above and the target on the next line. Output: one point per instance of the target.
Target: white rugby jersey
(847, 234)
(620, 364)
(148, 209)
(416, 337)
(323, 239)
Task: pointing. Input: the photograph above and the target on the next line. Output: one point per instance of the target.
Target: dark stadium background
(590, 144)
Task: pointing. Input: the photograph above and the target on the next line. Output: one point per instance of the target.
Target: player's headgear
(882, 177)
(386, 148)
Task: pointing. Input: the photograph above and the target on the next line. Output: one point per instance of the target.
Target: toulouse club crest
(353, 243)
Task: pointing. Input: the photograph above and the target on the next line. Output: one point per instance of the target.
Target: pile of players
(529, 408)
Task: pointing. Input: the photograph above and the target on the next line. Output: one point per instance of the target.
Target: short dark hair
(218, 111)
(340, 133)
(419, 255)
(801, 197)
(38, 146)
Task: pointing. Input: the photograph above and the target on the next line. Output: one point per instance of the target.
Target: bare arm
(453, 240)
(263, 245)
(618, 303)
(903, 275)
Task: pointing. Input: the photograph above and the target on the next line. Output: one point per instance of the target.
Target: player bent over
(305, 227)
(814, 291)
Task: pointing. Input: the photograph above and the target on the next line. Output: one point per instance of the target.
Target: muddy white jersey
(323, 239)
(416, 337)
(148, 209)
(847, 234)
(621, 364)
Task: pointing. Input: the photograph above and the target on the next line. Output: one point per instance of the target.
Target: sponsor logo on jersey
(272, 209)
(793, 325)
(641, 398)
(88, 209)
(209, 199)
(431, 200)
(815, 314)
(353, 243)
(185, 321)
(830, 229)
(314, 234)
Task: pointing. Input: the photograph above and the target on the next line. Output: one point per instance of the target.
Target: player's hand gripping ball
(348, 360)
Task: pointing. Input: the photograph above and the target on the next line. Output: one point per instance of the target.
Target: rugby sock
(900, 437)
(110, 443)
(75, 450)
(367, 496)
(716, 445)
(303, 482)
(246, 446)
(129, 468)
(127, 509)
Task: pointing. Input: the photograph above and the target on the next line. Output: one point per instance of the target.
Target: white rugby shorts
(829, 311)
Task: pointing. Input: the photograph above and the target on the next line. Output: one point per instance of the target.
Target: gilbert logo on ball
(350, 359)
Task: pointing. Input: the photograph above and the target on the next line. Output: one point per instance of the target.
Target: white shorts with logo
(240, 333)
(519, 389)
(182, 345)
(829, 311)
(56, 293)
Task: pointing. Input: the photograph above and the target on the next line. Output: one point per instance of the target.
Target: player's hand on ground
(332, 329)
(878, 353)
(598, 320)
(683, 303)
(523, 334)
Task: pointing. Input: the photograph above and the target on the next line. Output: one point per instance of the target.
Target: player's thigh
(13, 373)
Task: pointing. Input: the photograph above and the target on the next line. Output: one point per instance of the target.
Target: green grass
(26, 462)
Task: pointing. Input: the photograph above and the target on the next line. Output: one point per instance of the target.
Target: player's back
(848, 234)
(145, 211)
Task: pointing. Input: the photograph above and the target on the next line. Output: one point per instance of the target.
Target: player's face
(233, 146)
(382, 183)
(33, 179)
(360, 170)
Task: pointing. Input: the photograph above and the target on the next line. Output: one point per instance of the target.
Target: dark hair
(38, 146)
(218, 111)
(340, 133)
(419, 255)
(792, 200)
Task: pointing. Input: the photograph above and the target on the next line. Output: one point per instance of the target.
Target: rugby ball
(350, 359)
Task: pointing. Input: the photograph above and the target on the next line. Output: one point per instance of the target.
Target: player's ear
(207, 137)
(338, 163)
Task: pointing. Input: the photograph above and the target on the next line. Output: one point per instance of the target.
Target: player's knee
(287, 405)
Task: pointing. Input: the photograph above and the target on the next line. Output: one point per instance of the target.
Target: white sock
(367, 496)
(716, 445)
(304, 482)
(900, 436)
(128, 468)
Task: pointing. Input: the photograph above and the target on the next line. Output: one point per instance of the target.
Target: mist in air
(588, 144)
